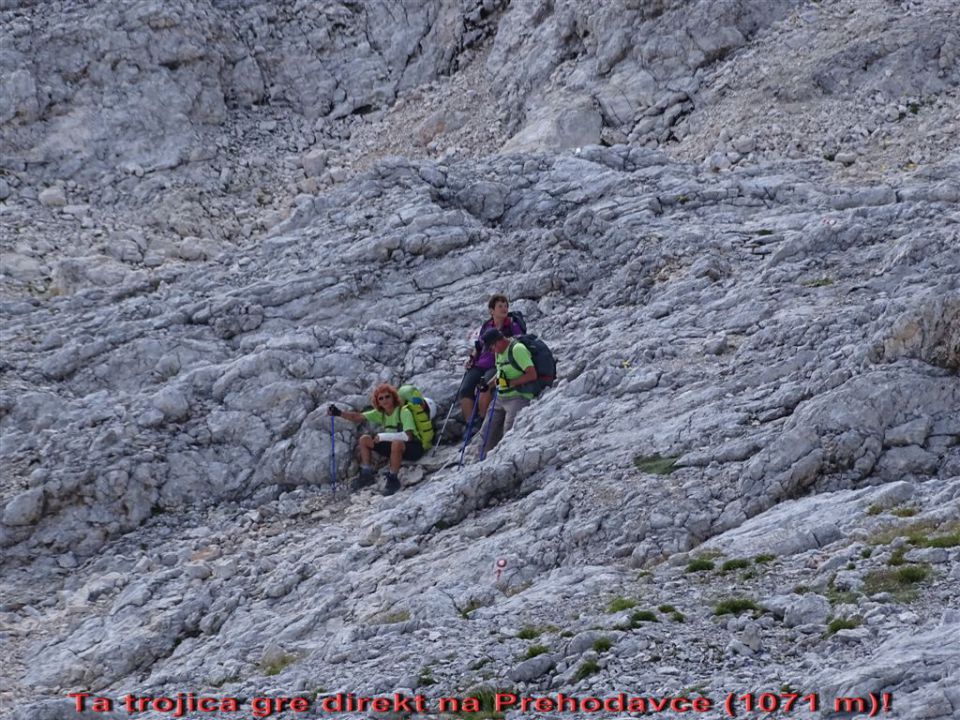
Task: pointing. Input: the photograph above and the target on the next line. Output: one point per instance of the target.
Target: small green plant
(913, 107)
(390, 618)
(874, 509)
(602, 644)
(529, 633)
(699, 565)
(819, 282)
(851, 566)
(535, 650)
(749, 575)
(944, 541)
(866, 552)
(763, 232)
(901, 582)
(678, 616)
(735, 564)
(426, 678)
(840, 597)
(838, 624)
(586, 669)
(655, 464)
(471, 606)
(912, 574)
(619, 604)
(667, 608)
(567, 634)
(904, 512)
(486, 697)
(916, 533)
(801, 589)
(641, 616)
(278, 664)
(683, 199)
(896, 557)
(735, 606)
(764, 558)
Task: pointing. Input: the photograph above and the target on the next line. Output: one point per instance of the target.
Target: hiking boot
(393, 484)
(365, 479)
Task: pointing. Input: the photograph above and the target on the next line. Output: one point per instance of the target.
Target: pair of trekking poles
(470, 423)
(466, 441)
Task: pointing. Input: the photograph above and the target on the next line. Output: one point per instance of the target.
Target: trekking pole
(486, 430)
(473, 416)
(333, 457)
(442, 429)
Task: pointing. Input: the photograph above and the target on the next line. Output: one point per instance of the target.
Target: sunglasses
(384, 397)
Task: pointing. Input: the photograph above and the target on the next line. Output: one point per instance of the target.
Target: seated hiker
(510, 379)
(397, 440)
(480, 364)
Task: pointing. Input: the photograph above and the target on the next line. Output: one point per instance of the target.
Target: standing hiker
(397, 437)
(510, 379)
(480, 364)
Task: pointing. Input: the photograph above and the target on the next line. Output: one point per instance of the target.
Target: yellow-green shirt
(505, 368)
(400, 420)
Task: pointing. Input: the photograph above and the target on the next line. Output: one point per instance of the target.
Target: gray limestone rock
(25, 508)
(806, 609)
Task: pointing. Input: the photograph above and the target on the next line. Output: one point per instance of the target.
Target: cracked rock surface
(222, 216)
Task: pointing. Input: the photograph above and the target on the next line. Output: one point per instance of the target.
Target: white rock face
(734, 223)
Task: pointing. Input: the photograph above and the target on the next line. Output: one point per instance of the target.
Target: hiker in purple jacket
(481, 365)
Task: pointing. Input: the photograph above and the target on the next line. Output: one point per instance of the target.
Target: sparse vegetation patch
(655, 464)
(735, 606)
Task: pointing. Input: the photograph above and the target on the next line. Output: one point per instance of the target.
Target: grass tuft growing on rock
(602, 644)
(735, 606)
(735, 564)
(655, 464)
(531, 632)
(764, 558)
(901, 582)
(535, 650)
(699, 565)
(390, 618)
(896, 558)
(486, 697)
(586, 669)
(838, 624)
(279, 664)
(619, 604)
(640, 617)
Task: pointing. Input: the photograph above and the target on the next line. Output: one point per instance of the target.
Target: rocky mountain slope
(736, 223)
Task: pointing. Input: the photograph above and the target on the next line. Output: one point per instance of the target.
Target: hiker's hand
(469, 363)
(334, 410)
(502, 384)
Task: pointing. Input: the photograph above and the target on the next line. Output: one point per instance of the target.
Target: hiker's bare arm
(352, 416)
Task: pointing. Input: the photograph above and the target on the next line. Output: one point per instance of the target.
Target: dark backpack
(543, 361)
(517, 317)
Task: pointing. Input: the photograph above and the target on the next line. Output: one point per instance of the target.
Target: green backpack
(422, 410)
